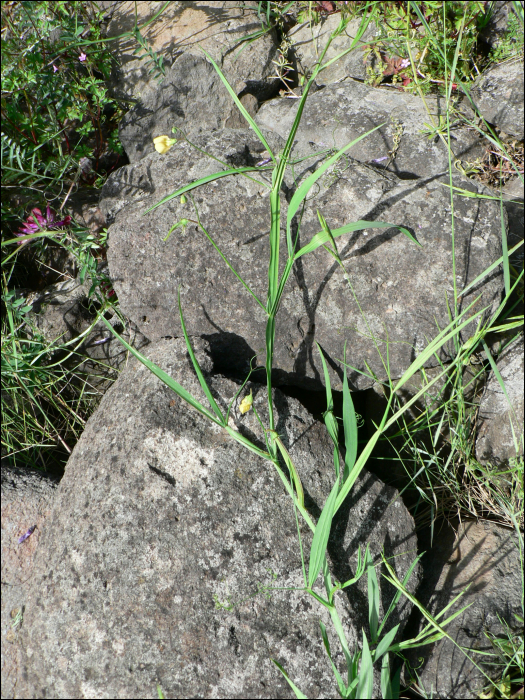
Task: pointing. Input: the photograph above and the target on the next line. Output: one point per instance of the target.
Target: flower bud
(163, 143)
(246, 403)
(183, 199)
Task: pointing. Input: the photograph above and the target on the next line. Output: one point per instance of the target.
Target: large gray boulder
(501, 422)
(27, 496)
(485, 557)
(341, 112)
(401, 288)
(164, 531)
(191, 95)
(498, 95)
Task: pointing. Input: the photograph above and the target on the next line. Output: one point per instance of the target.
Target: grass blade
(349, 426)
(163, 376)
(298, 693)
(373, 602)
(198, 371)
(293, 471)
(304, 188)
(321, 535)
(204, 181)
(384, 644)
(323, 237)
(240, 105)
(366, 673)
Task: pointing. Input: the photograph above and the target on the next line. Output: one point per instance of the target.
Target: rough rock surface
(162, 530)
(309, 41)
(498, 95)
(401, 287)
(339, 113)
(191, 95)
(495, 442)
(486, 556)
(26, 501)
(63, 312)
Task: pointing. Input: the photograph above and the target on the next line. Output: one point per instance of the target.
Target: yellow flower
(163, 143)
(246, 403)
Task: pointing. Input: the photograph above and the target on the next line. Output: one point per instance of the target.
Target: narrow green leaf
(366, 673)
(384, 644)
(373, 602)
(298, 693)
(305, 187)
(349, 425)
(329, 400)
(321, 535)
(397, 596)
(198, 371)
(158, 372)
(386, 685)
(291, 468)
(203, 181)
(340, 684)
(240, 105)
(322, 237)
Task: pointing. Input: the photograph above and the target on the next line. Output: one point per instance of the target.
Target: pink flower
(54, 68)
(82, 57)
(38, 222)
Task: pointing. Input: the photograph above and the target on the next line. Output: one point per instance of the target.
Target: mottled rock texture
(339, 113)
(486, 557)
(500, 414)
(27, 497)
(191, 95)
(401, 288)
(162, 531)
(498, 94)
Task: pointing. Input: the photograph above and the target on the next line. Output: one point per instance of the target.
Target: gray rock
(191, 96)
(498, 95)
(513, 201)
(495, 442)
(27, 496)
(338, 114)
(310, 39)
(486, 556)
(162, 532)
(400, 287)
(63, 312)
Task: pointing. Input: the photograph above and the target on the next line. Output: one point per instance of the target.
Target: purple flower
(38, 222)
(82, 57)
(27, 534)
(404, 63)
(54, 68)
(262, 162)
(379, 160)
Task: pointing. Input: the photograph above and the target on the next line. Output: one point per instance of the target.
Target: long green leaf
(323, 237)
(366, 673)
(204, 181)
(198, 371)
(329, 418)
(240, 105)
(340, 684)
(373, 602)
(291, 468)
(298, 693)
(321, 535)
(384, 644)
(304, 188)
(489, 269)
(349, 426)
(163, 376)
